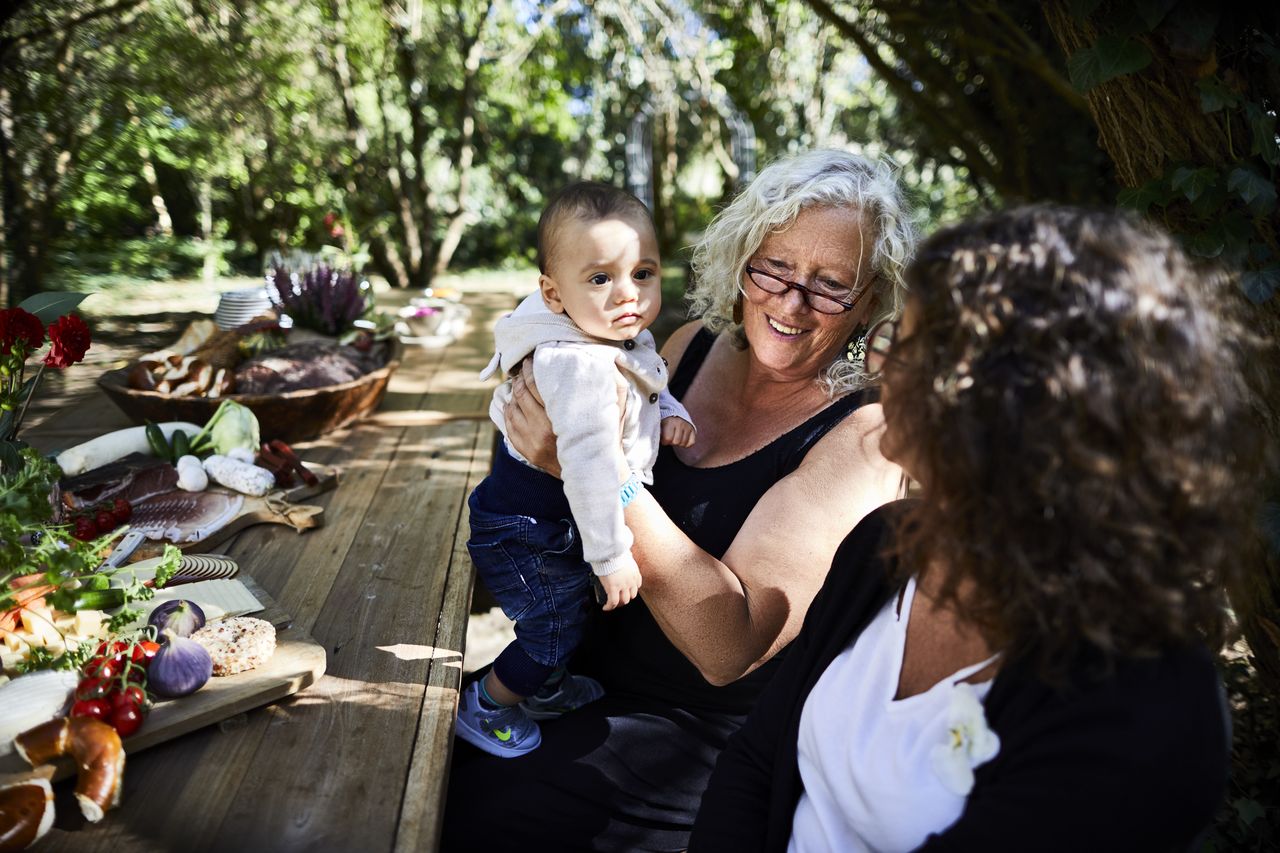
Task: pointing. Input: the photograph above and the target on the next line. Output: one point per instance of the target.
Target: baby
(536, 540)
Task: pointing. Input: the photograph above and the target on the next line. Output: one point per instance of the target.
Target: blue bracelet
(628, 490)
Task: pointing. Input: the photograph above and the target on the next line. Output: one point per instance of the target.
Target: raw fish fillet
(185, 516)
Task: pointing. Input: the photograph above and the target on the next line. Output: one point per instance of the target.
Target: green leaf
(52, 305)
(1257, 192)
(10, 457)
(1193, 182)
(1249, 810)
(1214, 95)
(1193, 28)
(1111, 57)
(1141, 198)
(1260, 285)
(1154, 11)
(1206, 244)
(1262, 126)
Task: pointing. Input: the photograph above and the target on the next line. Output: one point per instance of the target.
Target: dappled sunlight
(408, 651)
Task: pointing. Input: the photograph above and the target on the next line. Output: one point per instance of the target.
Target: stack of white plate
(237, 307)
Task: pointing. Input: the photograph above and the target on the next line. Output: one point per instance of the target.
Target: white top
(881, 774)
(579, 378)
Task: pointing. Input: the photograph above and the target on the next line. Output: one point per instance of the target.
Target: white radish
(105, 449)
(240, 476)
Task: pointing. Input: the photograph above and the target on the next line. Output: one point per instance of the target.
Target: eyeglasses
(879, 341)
(821, 302)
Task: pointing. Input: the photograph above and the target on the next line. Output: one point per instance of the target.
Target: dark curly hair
(1071, 395)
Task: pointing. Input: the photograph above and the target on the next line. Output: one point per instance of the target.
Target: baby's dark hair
(588, 201)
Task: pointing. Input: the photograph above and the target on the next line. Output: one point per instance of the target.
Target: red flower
(69, 341)
(19, 325)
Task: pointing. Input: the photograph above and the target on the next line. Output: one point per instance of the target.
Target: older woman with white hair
(735, 537)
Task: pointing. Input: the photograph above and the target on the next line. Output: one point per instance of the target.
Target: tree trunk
(473, 54)
(1146, 122)
(209, 271)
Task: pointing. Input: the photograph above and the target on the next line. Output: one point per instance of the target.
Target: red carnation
(17, 325)
(69, 341)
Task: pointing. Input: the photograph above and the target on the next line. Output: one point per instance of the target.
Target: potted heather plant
(323, 299)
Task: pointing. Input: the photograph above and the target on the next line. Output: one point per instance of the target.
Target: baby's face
(606, 275)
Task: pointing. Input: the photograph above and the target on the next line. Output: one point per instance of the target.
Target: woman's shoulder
(678, 342)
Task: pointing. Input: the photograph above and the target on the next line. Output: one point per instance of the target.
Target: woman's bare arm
(730, 616)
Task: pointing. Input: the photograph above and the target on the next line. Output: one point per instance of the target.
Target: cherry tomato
(136, 674)
(103, 668)
(85, 529)
(131, 695)
(121, 511)
(99, 709)
(126, 719)
(149, 649)
(104, 521)
(112, 649)
(90, 688)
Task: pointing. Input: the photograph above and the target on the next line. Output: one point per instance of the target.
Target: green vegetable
(231, 426)
(98, 582)
(158, 443)
(181, 445)
(169, 564)
(73, 600)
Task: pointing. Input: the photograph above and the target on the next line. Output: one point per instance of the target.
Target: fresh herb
(123, 619)
(170, 561)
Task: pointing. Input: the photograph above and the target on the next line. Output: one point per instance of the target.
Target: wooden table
(359, 760)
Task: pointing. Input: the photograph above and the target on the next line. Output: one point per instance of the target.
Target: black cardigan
(1134, 761)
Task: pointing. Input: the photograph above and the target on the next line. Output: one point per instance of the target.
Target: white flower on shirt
(970, 742)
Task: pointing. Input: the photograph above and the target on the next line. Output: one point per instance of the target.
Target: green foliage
(155, 258)
(1250, 817)
(1108, 58)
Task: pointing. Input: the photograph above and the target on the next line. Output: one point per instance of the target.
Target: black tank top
(625, 649)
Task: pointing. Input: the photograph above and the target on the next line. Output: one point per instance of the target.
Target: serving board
(275, 507)
(297, 663)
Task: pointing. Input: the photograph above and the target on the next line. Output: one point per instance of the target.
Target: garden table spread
(359, 760)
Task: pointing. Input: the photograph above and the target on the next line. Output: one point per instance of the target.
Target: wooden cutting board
(297, 663)
(278, 507)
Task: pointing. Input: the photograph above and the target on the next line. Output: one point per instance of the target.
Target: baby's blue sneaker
(568, 694)
(506, 732)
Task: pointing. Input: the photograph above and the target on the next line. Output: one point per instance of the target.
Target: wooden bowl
(292, 416)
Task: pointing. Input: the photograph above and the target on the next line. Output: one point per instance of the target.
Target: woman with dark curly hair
(1022, 658)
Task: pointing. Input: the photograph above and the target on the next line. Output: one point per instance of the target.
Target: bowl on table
(289, 416)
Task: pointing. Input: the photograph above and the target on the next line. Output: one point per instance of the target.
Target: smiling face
(605, 274)
(824, 249)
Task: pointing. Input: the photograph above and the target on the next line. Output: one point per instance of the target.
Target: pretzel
(26, 812)
(97, 751)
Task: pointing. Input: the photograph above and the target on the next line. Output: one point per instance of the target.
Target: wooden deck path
(359, 760)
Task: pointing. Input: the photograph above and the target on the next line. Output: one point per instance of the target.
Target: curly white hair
(819, 178)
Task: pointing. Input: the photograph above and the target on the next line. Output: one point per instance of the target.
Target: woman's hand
(528, 427)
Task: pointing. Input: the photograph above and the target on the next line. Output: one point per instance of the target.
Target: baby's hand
(677, 431)
(621, 587)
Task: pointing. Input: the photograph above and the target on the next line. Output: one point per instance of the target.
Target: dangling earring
(856, 351)
(737, 310)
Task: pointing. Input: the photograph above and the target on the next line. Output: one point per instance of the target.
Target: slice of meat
(185, 516)
(135, 487)
(135, 478)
